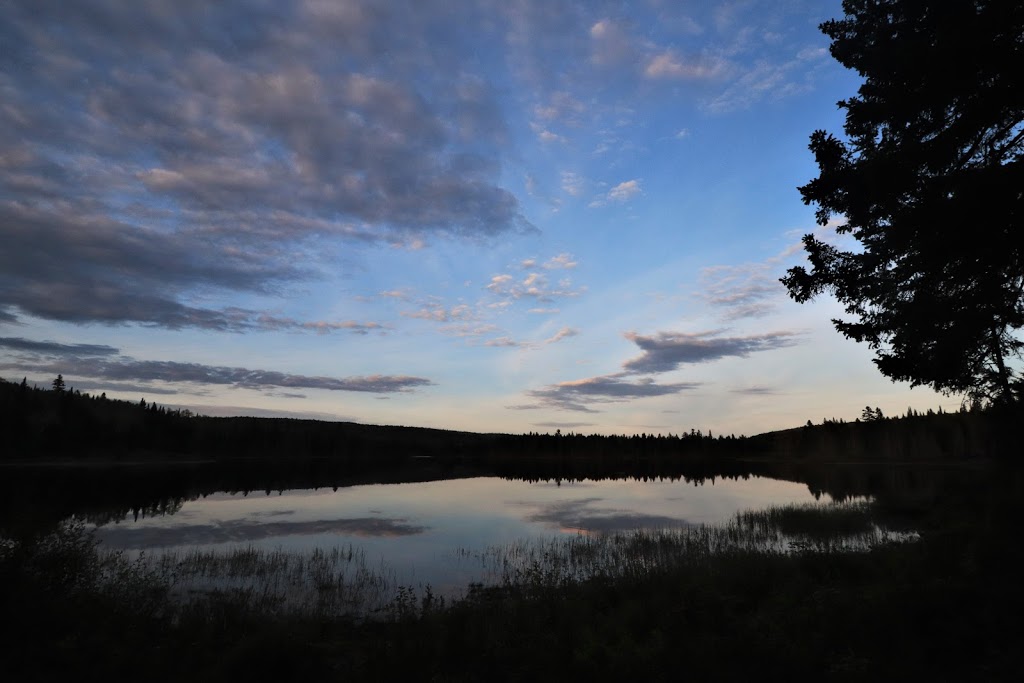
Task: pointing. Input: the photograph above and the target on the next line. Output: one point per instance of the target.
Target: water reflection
(419, 520)
(418, 529)
(585, 516)
(143, 536)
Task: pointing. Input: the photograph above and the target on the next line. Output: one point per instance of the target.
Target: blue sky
(491, 216)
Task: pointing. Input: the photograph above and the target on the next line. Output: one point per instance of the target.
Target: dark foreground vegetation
(706, 605)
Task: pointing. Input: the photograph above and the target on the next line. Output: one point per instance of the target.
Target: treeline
(62, 422)
(973, 432)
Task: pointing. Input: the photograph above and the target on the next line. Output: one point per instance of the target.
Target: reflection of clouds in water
(273, 513)
(579, 515)
(242, 530)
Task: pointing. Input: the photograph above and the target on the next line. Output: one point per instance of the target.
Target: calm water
(427, 532)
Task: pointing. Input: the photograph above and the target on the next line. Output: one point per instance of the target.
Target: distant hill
(67, 424)
(913, 437)
(61, 423)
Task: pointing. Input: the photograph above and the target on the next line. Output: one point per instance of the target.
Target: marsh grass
(333, 583)
(772, 594)
(339, 583)
(557, 562)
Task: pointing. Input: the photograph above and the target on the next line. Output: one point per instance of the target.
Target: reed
(335, 582)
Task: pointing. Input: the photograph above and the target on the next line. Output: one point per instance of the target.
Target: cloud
(666, 351)
(742, 291)
(126, 369)
(535, 285)
(611, 44)
(572, 183)
(50, 348)
(771, 80)
(564, 425)
(622, 192)
(504, 342)
(563, 261)
(583, 515)
(152, 155)
(401, 294)
(470, 331)
(560, 106)
(668, 65)
(269, 322)
(575, 395)
(757, 391)
(229, 531)
(546, 136)
(563, 333)
(509, 342)
(438, 312)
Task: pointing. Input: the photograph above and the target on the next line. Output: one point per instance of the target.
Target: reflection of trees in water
(160, 508)
(34, 499)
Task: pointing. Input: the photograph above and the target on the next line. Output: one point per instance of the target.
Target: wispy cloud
(509, 342)
(51, 348)
(669, 65)
(109, 370)
(770, 80)
(547, 136)
(572, 183)
(441, 313)
(270, 322)
(666, 351)
(564, 333)
(621, 193)
(663, 352)
(757, 391)
(612, 44)
(562, 261)
(534, 286)
(560, 106)
(742, 291)
(563, 425)
(246, 531)
(578, 395)
(585, 515)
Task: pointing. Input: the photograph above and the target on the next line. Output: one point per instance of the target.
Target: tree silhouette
(930, 183)
(58, 384)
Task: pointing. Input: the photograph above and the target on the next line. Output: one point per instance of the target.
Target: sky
(514, 216)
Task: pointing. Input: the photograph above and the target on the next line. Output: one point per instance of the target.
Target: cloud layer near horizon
(103, 363)
(662, 353)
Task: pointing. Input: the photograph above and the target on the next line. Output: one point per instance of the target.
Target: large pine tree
(929, 179)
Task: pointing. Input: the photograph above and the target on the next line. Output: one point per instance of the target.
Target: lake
(427, 533)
